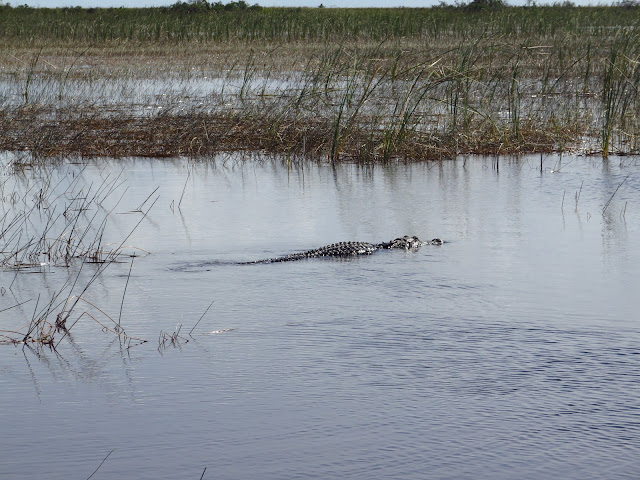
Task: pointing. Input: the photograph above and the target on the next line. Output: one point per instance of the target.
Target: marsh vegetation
(358, 84)
(52, 221)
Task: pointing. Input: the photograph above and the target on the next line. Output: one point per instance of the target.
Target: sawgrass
(340, 84)
(175, 25)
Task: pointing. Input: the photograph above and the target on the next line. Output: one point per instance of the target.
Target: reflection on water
(509, 352)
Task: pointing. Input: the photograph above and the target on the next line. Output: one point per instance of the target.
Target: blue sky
(282, 3)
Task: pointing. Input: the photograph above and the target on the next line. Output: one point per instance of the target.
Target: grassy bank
(359, 84)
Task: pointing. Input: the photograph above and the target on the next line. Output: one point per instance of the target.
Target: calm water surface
(512, 351)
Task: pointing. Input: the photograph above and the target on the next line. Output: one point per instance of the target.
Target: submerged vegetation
(367, 85)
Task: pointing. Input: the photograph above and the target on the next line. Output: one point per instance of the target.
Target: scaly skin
(349, 249)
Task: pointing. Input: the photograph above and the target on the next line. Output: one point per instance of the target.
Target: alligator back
(341, 249)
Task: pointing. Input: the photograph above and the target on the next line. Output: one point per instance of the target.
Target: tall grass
(302, 24)
(620, 88)
(364, 84)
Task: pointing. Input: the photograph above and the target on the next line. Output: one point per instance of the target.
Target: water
(509, 352)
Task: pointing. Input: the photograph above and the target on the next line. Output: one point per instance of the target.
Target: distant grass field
(357, 84)
(42, 25)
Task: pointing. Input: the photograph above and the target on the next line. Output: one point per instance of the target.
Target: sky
(264, 3)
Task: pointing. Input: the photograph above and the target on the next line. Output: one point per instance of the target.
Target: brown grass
(200, 134)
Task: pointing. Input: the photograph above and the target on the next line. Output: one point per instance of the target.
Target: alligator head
(409, 243)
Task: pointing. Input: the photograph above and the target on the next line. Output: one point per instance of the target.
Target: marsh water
(511, 351)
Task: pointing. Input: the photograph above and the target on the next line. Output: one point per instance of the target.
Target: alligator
(349, 249)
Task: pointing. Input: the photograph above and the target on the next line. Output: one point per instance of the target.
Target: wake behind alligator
(335, 250)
